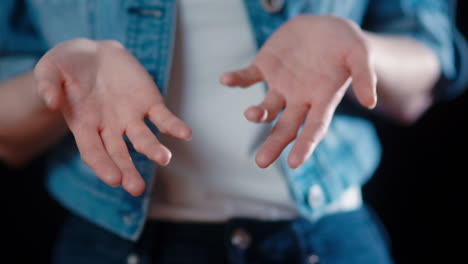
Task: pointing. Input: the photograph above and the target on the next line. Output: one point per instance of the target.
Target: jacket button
(241, 238)
(313, 259)
(133, 259)
(316, 196)
(272, 6)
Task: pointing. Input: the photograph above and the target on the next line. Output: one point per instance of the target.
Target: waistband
(353, 237)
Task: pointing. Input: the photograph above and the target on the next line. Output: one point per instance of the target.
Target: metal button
(316, 196)
(241, 238)
(133, 259)
(313, 259)
(272, 6)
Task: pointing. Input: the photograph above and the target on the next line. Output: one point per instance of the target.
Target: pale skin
(103, 93)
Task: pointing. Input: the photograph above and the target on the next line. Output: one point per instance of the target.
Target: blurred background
(419, 190)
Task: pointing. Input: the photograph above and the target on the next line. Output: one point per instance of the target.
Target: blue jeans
(350, 237)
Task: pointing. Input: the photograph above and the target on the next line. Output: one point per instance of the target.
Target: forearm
(407, 71)
(27, 127)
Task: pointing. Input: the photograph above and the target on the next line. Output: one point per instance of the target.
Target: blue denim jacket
(347, 156)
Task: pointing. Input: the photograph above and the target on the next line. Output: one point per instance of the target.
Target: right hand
(104, 93)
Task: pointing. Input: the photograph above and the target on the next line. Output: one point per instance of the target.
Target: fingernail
(164, 158)
(294, 163)
(224, 78)
(187, 135)
(374, 104)
(262, 161)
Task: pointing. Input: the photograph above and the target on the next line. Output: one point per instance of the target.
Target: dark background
(419, 191)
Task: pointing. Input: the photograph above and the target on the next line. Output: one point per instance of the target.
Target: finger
(49, 84)
(145, 142)
(132, 181)
(364, 79)
(95, 156)
(242, 78)
(282, 134)
(168, 123)
(314, 130)
(267, 110)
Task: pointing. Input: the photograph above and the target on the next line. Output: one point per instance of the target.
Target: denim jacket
(347, 156)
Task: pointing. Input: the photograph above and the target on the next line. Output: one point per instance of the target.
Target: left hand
(308, 65)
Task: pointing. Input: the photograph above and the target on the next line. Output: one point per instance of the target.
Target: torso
(214, 177)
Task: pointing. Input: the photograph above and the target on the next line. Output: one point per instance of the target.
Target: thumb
(243, 78)
(49, 83)
(364, 79)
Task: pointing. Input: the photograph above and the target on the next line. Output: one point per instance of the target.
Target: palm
(105, 93)
(307, 64)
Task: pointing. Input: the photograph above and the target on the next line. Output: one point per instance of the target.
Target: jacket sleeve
(20, 42)
(433, 23)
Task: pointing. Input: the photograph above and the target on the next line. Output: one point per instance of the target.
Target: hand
(104, 93)
(308, 64)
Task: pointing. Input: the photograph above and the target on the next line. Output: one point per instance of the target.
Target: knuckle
(290, 136)
(284, 135)
(119, 155)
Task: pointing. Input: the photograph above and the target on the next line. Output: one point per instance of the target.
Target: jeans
(350, 237)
